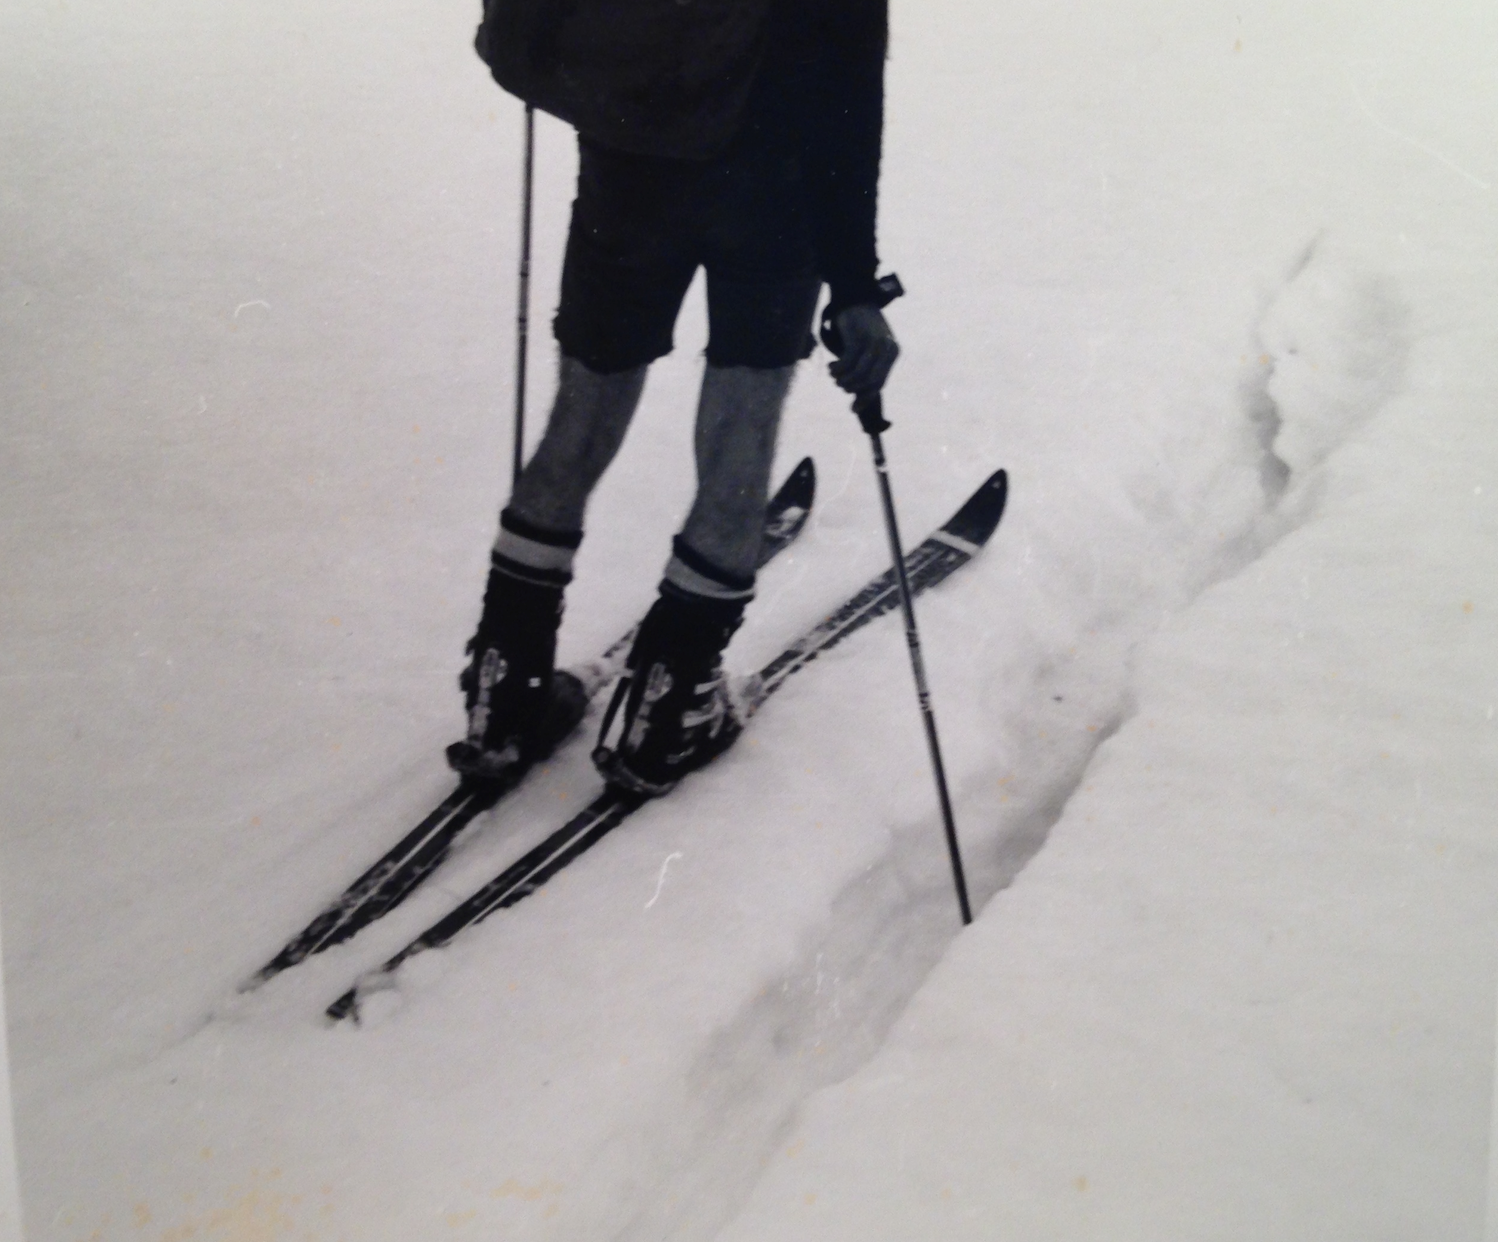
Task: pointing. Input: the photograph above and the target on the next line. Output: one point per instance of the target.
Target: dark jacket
(681, 80)
(821, 85)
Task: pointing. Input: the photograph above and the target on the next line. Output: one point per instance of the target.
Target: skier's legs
(630, 257)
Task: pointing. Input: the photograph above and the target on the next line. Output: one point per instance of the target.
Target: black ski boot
(676, 710)
(519, 706)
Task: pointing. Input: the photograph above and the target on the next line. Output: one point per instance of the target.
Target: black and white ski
(393, 878)
(945, 551)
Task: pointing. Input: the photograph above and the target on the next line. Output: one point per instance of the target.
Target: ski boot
(676, 711)
(519, 706)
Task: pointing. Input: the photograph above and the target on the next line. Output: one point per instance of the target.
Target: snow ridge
(1331, 353)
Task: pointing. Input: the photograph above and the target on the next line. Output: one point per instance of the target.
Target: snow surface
(1215, 283)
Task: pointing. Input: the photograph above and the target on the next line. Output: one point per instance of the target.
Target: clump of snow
(1335, 343)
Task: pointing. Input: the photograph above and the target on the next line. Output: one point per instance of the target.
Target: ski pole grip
(870, 410)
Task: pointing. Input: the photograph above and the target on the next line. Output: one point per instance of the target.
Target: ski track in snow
(1331, 353)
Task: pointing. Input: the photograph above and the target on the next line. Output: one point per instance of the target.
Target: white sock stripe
(531, 552)
(683, 576)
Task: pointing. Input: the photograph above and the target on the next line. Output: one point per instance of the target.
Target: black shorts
(641, 227)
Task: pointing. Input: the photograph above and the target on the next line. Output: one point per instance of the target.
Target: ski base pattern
(395, 876)
(945, 551)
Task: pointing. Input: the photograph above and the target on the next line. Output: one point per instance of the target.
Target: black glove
(860, 338)
(869, 350)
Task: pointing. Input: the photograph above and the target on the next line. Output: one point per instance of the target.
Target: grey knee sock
(738, 417)
(588, 420)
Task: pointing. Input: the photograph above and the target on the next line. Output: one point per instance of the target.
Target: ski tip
(800, 487)
(978, 518)
(788, 510)
(345, 1007)
(254, 982)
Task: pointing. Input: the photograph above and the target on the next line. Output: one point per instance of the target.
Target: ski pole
(523, 314)
(870, 411)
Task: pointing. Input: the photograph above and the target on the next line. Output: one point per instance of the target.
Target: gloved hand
(869, 350)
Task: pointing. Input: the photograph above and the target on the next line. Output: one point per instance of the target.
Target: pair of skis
(387, 883)
(422, 850)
